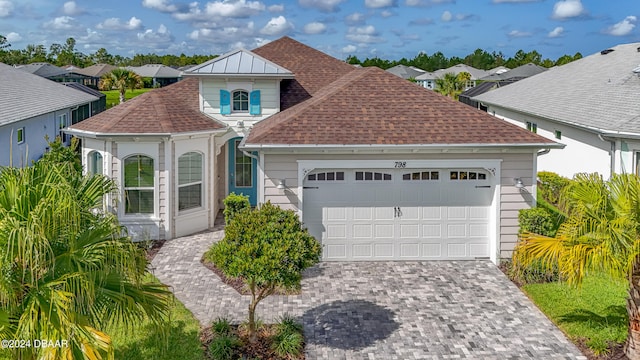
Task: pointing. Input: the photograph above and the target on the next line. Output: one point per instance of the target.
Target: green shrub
(551, 185)
(288, 323)
(233, 204)
(532, 274)
(538, 221)
(224, 347)
(221, 326)
(288, 341)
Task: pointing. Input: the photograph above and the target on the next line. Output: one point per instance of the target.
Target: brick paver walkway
(381, 310)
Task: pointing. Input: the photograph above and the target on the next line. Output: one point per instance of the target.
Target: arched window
(139, 178)
(94, 163)
(190, 181)
(240, 101)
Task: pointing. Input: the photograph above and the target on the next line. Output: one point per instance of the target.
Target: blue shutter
(254, 102)
(225, 102)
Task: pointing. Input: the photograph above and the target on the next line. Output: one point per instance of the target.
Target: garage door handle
(310, 187)
(483, 186)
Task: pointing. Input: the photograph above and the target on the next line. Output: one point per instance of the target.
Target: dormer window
(240, 101)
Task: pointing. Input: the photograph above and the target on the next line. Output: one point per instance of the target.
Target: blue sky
(389, 29)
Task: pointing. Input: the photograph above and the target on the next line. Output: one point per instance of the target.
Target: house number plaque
(400, 164)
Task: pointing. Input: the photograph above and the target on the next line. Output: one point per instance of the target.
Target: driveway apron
(380, 310)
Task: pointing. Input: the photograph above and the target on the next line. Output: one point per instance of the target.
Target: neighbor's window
(240, 101)
(138, 184)
(20, 135)
(533, 127)
(558, 134)
(94, 163)
(190, 181)
(62, 123)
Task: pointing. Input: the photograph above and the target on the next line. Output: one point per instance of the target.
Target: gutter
(241, 147)
(93, 134)
(553, 145)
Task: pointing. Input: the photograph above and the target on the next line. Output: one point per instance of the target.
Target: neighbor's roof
(168, 110)
(405, 72)
(370, 106)
(155, 71)
(24, 95)
(599, 91)
(239, 62)
(485, 87)
(456, 69)
(45, 70)
(96, 70)
(85, 89)
(522, 71)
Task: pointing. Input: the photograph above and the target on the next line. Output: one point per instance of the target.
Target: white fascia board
(93, 134)
(249, 146)
(244, 76)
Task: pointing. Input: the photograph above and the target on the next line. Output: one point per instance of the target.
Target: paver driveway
(382, 310)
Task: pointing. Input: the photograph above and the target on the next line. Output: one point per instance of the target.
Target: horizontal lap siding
(514, 165)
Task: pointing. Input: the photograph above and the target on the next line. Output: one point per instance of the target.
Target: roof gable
(156, 71)
(599, 91)
(96, 70)
(239, 62)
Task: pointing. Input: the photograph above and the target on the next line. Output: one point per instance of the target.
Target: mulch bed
(156, 245)
(616, 351)
(260, 350)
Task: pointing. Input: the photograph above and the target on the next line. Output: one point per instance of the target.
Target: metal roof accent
(240, 62)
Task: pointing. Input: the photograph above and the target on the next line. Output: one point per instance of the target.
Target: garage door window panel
(421, 175)
(467, 175)
(327, 176)
(372, 176)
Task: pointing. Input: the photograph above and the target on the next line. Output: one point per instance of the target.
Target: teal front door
(242, 172)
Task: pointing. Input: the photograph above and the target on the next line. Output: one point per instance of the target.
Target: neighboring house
(33, 108)
(519, 73)
(93, 73)
(406, 72)
(51, 72)
(592, 105)
(467, 96)
(373, 175)
(88, 110)
(160, 75)
(428, 80)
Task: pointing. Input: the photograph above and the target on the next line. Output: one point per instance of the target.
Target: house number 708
(401, 164)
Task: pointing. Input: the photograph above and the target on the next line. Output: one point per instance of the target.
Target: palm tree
(68, 270)
(601, 233)
(121, 80)
(452, 85)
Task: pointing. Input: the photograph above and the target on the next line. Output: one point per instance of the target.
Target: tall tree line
(67, 54)
(479, 59)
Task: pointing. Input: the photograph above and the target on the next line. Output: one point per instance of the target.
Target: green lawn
(181, 339)
(113, 96)
(596, 312)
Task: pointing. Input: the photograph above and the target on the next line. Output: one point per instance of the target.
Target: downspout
(612, 154)
(543, 152)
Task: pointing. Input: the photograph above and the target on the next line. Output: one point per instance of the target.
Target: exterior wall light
(519, 183)
(282, 184)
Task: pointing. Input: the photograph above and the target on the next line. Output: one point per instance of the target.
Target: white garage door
(405, 214)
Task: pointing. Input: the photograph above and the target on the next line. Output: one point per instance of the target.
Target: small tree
(268, 249)
(121, 80)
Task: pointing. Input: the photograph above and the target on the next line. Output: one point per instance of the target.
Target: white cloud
(114, 24)
(6, 8)
(565, 9)
(426, 3)
(557, 32)
(322, 5)
(386, 13)
(13, 36)
(70, 8)
(622, 28)
(376, 4)
(161, 5)
(277, 8)
(59, 23)
(518, 34)
(234, 9)
(224, 36)
(150, 37)
(314, 28)
(349, 49)
(277, 26)
(514, 1)
(364, 34)
(355, 19)
(446, 16)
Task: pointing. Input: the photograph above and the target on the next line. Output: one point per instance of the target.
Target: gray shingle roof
(239, 62)
(96, 70)
(405, 72)
(24, 95)
(156, 71)
(522, 71)
(456, 69)
(43, 69)
(598, 91)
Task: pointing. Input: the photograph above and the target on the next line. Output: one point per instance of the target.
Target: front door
(242, 172)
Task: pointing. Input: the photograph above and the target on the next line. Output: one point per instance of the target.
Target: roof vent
(638, 49)
(605, 52)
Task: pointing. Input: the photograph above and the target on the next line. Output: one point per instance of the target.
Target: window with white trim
(372, 176)
(62, 123)
(94, 163)
(139, 179)
(240, 101)
(190, 181)
(20, 135)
